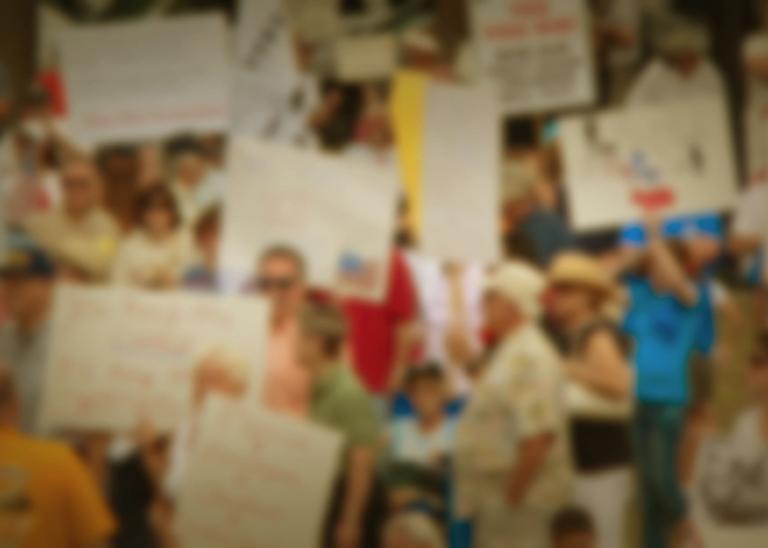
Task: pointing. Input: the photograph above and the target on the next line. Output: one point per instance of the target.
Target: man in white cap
(681, 69)
(513, 468)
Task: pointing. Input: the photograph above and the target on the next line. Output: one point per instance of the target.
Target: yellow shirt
(47, 497)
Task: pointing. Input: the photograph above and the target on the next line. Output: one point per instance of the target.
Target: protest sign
(539, 52)
(366, 57)
(337, 212)
(315, 20)
(256, 478)
(147, 79)
(675, 158)
(120, 355)
(460, 187)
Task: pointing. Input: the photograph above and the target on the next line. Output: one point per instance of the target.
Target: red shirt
(373, 326)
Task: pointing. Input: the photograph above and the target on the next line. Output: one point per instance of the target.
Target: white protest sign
(256, 478)
(676, 158)
(147, 79)
(120, 355)
(366, 57)
(729, 493)
(461, 174)
(337, 212)
(539, 52)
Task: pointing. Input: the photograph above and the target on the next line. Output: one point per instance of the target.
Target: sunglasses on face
(275, 284)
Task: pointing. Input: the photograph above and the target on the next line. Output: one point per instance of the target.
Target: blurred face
(427, 397)
(158, 219)
(280, 280)
(758, 379)
(687, 63)
(208, 243)
(567, 301)
(576, 540)
(81, 188)
(499, 313)
(26, 296)
(191, 167)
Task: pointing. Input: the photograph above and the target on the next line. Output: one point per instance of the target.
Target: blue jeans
(657, 436)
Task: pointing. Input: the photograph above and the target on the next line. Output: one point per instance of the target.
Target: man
(81, 227)
(27, 276)
(340, 402)
(47, 497)
(281, 278)
(512, 464)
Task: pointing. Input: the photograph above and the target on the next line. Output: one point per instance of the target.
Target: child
(573, 528)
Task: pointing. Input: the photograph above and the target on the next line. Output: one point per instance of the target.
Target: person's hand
(458, 345)
(348, 533)
(513, 496)
(653, 222)
(687, 536)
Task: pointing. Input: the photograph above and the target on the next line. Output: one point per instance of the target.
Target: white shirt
(659, 83)
(141, 261)
(411, 444)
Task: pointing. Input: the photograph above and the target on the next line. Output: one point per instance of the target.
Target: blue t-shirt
(666, 333)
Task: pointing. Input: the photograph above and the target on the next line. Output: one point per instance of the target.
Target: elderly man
(27, 277)
(81, 227)
(512, 463)
(48, 498)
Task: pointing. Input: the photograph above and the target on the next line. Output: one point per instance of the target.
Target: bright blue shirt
(666, 334)
(683, 227)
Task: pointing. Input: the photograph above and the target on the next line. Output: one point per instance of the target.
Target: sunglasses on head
(278, 284)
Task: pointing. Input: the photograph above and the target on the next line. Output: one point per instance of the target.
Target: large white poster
(539, 52)
(256, 478)
(121, 355)
(461, 177)
(147, 79)
(676, 158)
(337, 212)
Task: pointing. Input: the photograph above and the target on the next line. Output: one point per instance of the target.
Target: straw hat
(521, 284)
(582, 270)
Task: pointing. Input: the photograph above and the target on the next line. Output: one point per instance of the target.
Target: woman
(157, 252)
(598, 394)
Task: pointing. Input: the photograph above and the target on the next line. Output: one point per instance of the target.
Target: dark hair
(149, 197)
(759, 353)
(207, 222)
(429, 371)
(326, 321)
(7, 388)
(569, 521)
(284, 251)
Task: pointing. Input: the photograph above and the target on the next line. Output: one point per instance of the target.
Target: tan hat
(682, 37)
(520, 283)
(581, 269)
(517, 181)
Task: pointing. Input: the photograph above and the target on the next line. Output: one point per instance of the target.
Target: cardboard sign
(147, 79)
(255, 478)
(120, 355)
(366, 57)
(675, 158)
(461, 183)
(337, 212)
(539, 52)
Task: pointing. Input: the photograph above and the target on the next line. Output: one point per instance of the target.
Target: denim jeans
(657, 436)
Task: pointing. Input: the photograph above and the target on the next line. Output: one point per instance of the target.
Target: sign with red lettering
(674, 158)
(538, 51)
(122, 355)
(147, 79)
(256, 478)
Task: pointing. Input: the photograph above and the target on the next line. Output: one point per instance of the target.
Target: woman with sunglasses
(157, 252)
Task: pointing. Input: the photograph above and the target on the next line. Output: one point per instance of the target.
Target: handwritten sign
(119, 355)
(256, 478)
(539, 52)
(337, 212)
(147, 79)
(675, 157)
(460, 200)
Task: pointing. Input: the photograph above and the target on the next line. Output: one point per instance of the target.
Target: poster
(256, 478)
(339, 213)
(674, 158)
(121, 355)
(461, 181)
(539, 52)
(147, 79)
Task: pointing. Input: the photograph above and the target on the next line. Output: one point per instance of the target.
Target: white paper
(538, 53)
(337, 212)
(676, 158)
(121, 355)
(147, 79)
(461, 178)
(366, 57)
(256, 478)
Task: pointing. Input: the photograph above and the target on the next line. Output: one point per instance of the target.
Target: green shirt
(340, 402)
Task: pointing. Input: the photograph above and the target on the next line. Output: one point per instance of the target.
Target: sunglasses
(275, 284)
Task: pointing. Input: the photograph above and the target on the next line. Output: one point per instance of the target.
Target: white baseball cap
(520, 283)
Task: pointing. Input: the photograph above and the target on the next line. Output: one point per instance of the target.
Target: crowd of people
(523, 404)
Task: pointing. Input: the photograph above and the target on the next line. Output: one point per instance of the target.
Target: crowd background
(557, 399)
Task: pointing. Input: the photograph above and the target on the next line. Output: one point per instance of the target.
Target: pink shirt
(286, 383)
